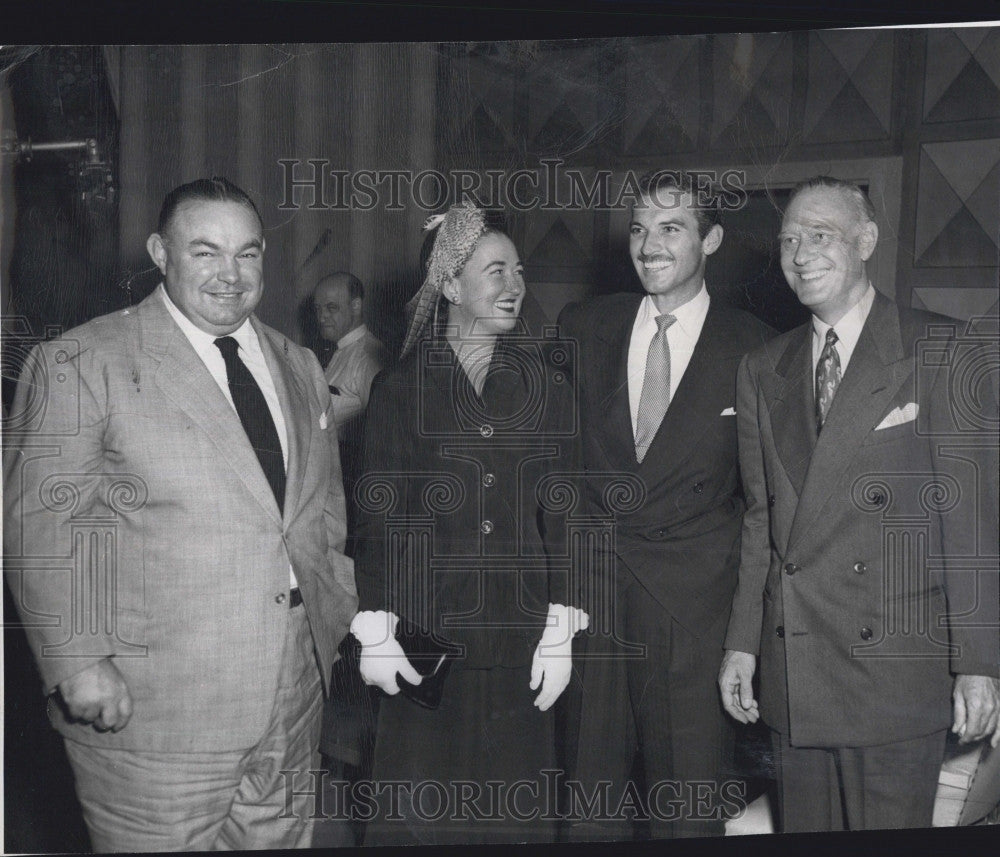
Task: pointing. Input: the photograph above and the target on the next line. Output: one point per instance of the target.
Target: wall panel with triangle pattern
(777, 105)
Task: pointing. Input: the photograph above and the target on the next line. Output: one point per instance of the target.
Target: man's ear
(356, 305)
(867, 240)
(157, 250)
(710, 243)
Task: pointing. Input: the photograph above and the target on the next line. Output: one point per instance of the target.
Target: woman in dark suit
(459, 535)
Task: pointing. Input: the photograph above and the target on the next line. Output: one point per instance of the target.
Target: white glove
(381, 655)
(552, 664)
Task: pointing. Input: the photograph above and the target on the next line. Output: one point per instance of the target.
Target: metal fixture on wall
(93, 176)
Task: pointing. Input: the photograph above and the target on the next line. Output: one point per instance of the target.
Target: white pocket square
(898, 416)
(728, 412)
(322, 421)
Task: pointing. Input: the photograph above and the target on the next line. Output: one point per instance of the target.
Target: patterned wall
(955, 154)
(238, 110)
(914, 115)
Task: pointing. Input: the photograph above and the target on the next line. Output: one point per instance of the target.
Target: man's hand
(98, 695)
(735, 685)
(381, 655)
(976, 708)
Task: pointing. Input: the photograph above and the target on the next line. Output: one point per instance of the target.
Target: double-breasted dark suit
(868, 571)
(845, 669)
(668, 572)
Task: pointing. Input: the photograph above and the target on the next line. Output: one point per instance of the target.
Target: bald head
(338, 300)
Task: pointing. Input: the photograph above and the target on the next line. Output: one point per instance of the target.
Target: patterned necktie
(827, 378)
(655, 395)
(255, 416)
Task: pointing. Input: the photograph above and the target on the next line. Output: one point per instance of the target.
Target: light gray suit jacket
(139, 526)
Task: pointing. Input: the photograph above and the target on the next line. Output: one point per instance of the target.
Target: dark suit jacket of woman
(459, 527)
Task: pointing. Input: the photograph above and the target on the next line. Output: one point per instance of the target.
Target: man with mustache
(657, 384)
(184, 644)
(868, 588)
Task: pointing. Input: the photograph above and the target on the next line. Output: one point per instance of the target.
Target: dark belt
(294, 598)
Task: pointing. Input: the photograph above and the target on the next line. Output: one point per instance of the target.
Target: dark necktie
(326, 352)
(827, 378)
(255, 416)
(655, 395)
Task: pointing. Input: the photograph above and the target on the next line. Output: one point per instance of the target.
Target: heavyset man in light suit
(184, 587)
(868, 584)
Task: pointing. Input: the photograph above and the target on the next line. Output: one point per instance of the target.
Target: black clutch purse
(431, 657)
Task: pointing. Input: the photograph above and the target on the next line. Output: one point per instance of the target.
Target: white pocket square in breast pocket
(728, 412)
(323, 421)
(898, 416)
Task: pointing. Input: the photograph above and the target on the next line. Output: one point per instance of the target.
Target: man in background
(354, 357)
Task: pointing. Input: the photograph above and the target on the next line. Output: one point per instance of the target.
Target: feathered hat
(458, 232)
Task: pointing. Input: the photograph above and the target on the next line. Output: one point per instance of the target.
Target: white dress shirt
(848, 331)
(682, 337)
(351, 370)
(253, 358)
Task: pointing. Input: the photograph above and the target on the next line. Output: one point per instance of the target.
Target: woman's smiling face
(489, 289)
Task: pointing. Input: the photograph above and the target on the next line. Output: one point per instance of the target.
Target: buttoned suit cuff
(747, 642)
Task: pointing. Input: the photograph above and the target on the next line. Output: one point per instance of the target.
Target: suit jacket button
(780, 631)
(866, 633)
(699, 487)
(860, 567)
(486, 431)
(486, 527)
(791, 568)
(279, 598)
(770, 500)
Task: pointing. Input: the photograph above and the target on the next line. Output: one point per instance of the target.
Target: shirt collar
(849, 327)
(352, 335)
(199, 339)
(687, 314)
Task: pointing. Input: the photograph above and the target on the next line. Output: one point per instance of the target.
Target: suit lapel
(790, 407)
(184, 379)
(295, 408)
(877, 369)
(611, 384)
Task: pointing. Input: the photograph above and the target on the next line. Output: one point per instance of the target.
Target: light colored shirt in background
(351, 371)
